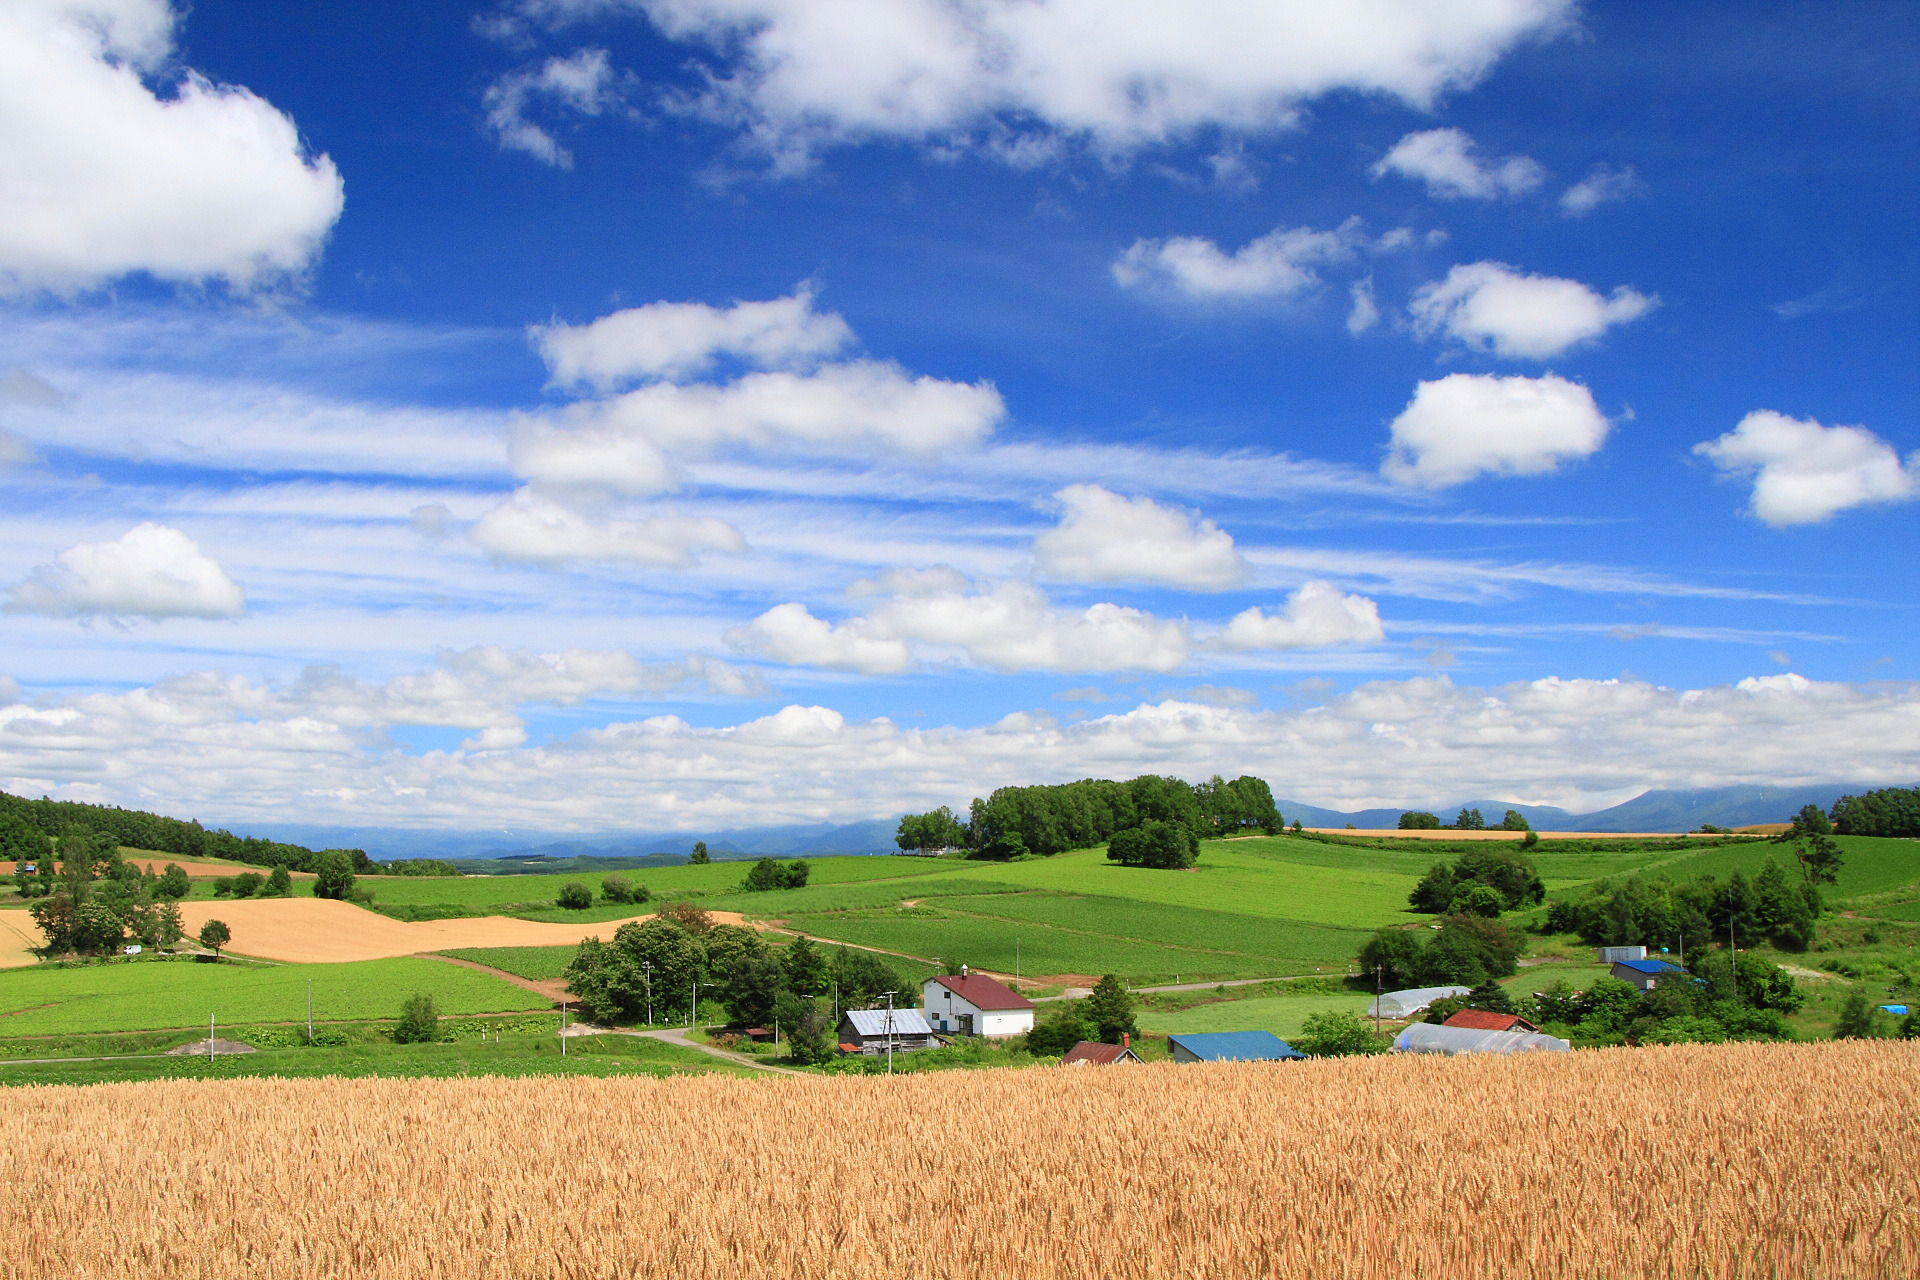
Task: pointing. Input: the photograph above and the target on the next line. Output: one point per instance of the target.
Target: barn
(975, 1005)
(868, 1031)
(1232, 1046)
(1646, 974)
(1482, 1020)
(1092, 1053)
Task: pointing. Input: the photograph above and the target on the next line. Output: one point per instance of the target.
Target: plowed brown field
(1713, 1161)
(17, 934)
(321, 931)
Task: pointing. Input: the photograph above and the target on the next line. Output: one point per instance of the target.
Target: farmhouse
(1092, 1053)
(1482, 1020)
(1425, 1037)
(973, 1005)
(1232, 1046)
(869, 1031)
(1646, 974)
(1404, 1004)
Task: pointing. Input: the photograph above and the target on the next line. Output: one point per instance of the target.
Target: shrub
(1338, 1035)
(617, 889)
(279, 884)
(768, 874)
(333, 873)
(575, 896)
(173, 883)
(247, 883)
(419, 1021)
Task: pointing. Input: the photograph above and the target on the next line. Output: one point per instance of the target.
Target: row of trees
(1465, 951)
(1659, 913)
(97, 900)
(27, 826)
(1105, 1015)
(653, 968)
(1044, 820)
(614, 889)
(1483, 881)
(1890, 811)
(1467, 820)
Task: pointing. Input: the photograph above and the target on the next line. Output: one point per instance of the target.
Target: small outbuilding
(1404, 1004)
(974, 1005)
(1425, 1037)
(1646, 974)
(869, 1031)
(1483, 1020)
(1092, 1053)
(1232, 1046)
(1609, 954)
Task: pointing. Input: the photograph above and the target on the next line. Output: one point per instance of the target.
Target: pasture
(153, 995)
(1618, 1163)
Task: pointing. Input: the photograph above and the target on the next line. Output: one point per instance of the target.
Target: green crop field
(1282, 1015)
(143, 996)
(1252, 936)
(522, 962)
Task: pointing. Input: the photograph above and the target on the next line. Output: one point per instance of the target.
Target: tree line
(1041, 821)
(28, 828)
(652, 969)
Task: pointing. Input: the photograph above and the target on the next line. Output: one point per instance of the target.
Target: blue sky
(601, 414)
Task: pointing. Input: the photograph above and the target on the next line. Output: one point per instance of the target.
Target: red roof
(1100, 1055)
(1481, 1020)
(984, 993)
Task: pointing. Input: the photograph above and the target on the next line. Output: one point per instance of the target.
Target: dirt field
(17, 933)
(1622, 1163)
(1448, 833)
(320, 931)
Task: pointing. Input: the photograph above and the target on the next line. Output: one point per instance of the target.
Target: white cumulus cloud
(585, 82)
(1469, 424)
(1447, 161)
(1279, 264)
(1602, 185)
(1805, 473)
(1492, 307)
(679, 339)
(529, 527)
(152, 571)
(1104, 537)
(103, 177)
(789, 634)
(1018, 75)
(1317, 616)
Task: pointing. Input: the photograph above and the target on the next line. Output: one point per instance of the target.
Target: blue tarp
(1898, 1010)
(1235, 1046)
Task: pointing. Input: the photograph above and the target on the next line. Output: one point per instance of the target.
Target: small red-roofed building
(975, 1005)
(1092, 1053)
(1481, 1020)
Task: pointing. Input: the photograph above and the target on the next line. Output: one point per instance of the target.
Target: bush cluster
(1481, 882)
(1658, 913)
(1708, 1004)
(1465, 951)
(1014, 822)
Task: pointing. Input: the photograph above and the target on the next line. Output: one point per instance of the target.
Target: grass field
(513, 1056)
(157, 994)
(538, 963)
(1282, 1015)
(1627, 1164)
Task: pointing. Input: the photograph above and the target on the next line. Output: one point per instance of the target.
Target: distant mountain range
(1650, 811)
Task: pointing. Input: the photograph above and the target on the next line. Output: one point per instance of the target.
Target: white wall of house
(943, 1009)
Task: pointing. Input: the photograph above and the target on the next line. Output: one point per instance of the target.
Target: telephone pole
(889, 1032)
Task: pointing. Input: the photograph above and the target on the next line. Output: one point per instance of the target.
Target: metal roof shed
(1232, 1046)
(1425, 1037)
(1404, 1004)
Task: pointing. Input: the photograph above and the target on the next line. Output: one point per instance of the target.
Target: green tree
(700, 857)
(419, 1021)
(575, 896)
(726, 946)
(1515, 821)
(863, 978)
(279, 884)
(767, 874)
(167, 926)
(751, 986)
(1419, 820)
(1490, 996)
(247, 883)
(1338, 1035)
(1154, 843)
(1856, 1017)
(1392, 956)
(616, 888)
(214, 935)
(805, 968)
(1110, 1009)
(1057, 1034)
(806, 1026)
(174, 883)
(333, 873)
(1479, 900)
(1434, 893)
(940, 829)
(1470, 820)
(97, 928)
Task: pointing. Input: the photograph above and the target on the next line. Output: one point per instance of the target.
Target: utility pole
(693, 1010)
(1376, 1000)
(648, 964)
(563, 1028)
(889, 1032)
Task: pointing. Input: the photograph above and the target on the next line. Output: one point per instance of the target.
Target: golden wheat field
(1739, 1160)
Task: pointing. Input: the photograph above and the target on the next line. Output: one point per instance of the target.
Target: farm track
(553, 988)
